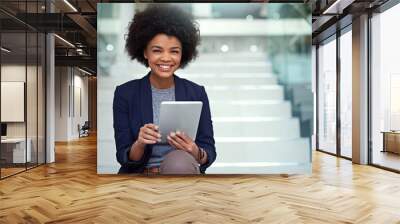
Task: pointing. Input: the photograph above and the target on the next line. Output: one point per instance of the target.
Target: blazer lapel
(180, 93)
(146, 100)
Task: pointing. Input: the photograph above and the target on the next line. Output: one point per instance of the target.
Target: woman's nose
(165, 57)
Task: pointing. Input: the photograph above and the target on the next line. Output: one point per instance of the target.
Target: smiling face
(163, 54)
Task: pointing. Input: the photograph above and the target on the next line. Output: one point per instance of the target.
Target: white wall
(12, 100)
(71, 92)
(80, 89)
(61, 103)
(14, 73)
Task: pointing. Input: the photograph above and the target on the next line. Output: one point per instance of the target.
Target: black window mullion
(369, 91)
(26, 86)
(1, 165)
(338, 98)
(317, 96)
(37, 89)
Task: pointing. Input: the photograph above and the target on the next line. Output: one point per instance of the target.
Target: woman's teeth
(164, 67)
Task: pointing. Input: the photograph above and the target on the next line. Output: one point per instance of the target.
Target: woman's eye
(156, 51)
(175, 52)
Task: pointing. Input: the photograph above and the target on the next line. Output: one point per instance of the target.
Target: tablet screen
(181, 116)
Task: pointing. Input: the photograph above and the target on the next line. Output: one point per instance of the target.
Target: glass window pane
(13, 86)
(386, 89)
(346, 94)
(327, 97)
(22, 88)
(41, 98)
(31, 97)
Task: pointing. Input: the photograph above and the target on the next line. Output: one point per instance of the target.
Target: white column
(50, 99)
(360, 90)
(50, 92)
(63, 101)
(314, 93)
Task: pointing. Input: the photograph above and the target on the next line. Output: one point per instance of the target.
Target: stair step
(256, 127)
(272, 92)
(231, 64)
(234, 108)
(234, 81)
(230, 68)
(211, 74)
(239, 57)
(260, 168)
(264, 150)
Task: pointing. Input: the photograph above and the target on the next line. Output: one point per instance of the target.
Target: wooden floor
(70, 191)
(387, 159)
(5, 172)
(8, 171)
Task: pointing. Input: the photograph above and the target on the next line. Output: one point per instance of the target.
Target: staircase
(253, 124)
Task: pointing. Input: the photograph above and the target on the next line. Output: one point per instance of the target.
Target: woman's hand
(181, 141)
(148, 134)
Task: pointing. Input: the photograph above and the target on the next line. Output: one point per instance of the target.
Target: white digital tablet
(181, 116)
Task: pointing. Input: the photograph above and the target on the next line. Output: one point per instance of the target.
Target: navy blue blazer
(133, 108)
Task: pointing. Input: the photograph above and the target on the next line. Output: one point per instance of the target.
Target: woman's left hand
(180, 140)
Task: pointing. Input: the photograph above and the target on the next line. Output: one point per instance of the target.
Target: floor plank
(70, 191)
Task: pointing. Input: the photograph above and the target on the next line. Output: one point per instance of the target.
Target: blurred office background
(255, 62)
(358, 81)
(22, 77)
(47, 79)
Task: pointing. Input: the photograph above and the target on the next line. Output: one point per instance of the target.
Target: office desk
(391, 141)
(13, 150)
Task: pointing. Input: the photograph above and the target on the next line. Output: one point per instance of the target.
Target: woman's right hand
(149, 134)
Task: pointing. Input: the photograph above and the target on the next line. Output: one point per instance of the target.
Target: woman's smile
(165, 67)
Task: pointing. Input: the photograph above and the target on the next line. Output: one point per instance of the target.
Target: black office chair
(84, 130)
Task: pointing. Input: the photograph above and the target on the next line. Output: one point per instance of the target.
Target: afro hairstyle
(162, 19)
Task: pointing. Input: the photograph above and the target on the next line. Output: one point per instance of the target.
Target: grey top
(158, 96)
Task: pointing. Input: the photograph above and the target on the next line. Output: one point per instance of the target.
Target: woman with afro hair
(164, 38)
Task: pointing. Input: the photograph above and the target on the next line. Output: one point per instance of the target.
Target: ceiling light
(109, 47)
(65, 41)
(224, 48)
(338, 6)
(333, 6)
(70, 5)
(253, 48)
(5, 50)
(84, 71)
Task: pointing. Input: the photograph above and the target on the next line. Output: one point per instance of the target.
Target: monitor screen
(3, 129)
